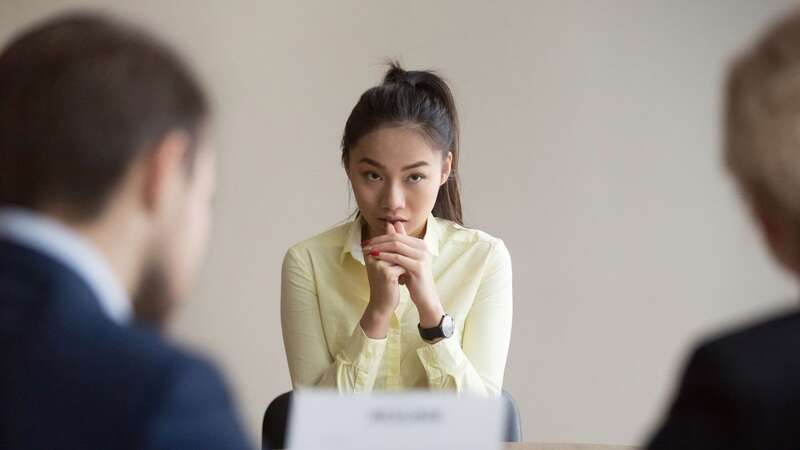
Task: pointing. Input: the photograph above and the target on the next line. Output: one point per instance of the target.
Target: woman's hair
(419, 100)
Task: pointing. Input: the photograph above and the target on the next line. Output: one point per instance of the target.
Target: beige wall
(590, 146)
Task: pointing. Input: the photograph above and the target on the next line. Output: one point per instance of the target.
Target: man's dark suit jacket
(740, 391)
(71, 378)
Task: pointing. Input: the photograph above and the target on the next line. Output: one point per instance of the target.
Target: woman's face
(396, 174)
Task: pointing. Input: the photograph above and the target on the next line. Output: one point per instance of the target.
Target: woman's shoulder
(454, 233)
(459, 240)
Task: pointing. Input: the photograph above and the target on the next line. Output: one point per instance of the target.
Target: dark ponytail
(419, 99)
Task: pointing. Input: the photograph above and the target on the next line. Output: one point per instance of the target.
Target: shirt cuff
(364, 352)
(444, 357)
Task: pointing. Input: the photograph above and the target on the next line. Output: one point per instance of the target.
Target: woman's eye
(416, 178)
(372, 176)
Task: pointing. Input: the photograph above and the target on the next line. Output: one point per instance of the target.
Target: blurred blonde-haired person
(742, 390)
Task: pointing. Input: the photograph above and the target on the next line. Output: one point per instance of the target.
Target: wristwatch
(445, 329)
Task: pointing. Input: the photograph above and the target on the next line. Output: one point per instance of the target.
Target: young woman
(403, 296)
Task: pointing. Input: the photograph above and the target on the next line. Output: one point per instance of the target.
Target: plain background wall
(590, 145)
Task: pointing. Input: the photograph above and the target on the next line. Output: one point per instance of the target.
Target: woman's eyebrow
(381, 166)
(415, 165)
(372, 162)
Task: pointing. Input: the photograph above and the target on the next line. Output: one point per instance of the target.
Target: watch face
(448, 325)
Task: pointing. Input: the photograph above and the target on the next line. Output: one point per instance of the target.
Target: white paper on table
(409, 420)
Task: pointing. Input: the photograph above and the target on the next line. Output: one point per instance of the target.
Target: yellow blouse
(324, 291)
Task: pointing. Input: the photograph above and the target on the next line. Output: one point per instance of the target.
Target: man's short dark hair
(82, 96)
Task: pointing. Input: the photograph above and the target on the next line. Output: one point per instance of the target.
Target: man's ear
(780, 235)
(165, 170)
(765, 223)
(447, 167)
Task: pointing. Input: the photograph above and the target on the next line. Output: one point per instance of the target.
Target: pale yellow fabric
(324, 292)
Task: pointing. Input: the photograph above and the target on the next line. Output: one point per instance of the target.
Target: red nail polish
(375, 253)
(365, 242)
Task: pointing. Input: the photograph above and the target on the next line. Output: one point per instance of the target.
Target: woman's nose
(393, 198)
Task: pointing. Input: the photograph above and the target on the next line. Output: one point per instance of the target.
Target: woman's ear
(346, 164)
(347, 171)
(447, 166)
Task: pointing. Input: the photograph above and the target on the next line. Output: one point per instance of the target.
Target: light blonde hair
(762, 120)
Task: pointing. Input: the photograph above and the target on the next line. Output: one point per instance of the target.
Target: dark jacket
(739, 391)
(71, 378)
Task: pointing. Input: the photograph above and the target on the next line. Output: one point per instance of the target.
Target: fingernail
(375, 253)
(365, 242)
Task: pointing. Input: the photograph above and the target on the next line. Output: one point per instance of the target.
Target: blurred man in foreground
(106, 181)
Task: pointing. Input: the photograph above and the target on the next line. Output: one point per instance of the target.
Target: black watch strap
(443, 330)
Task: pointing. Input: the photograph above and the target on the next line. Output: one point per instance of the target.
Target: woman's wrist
(375, 322)
(430, 314)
